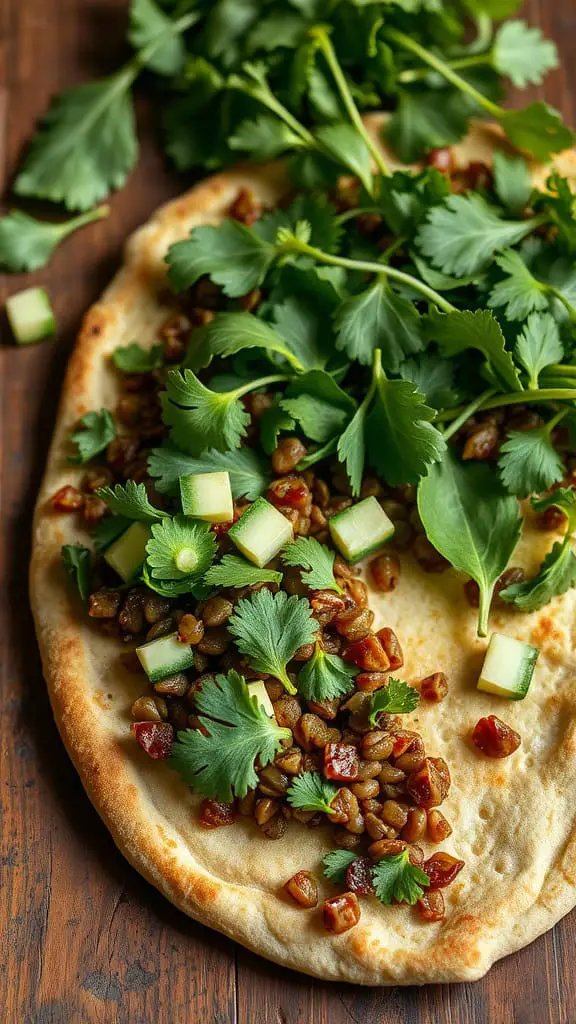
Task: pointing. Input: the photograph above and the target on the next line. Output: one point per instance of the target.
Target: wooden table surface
(83, 937)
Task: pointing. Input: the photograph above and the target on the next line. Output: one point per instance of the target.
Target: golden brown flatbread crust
(513, 820)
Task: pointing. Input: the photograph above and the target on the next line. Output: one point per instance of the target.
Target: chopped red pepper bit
(156, 738)
(494, 738)
(340, 761)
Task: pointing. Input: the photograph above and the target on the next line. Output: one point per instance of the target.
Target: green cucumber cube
(207, 496)
(261, 532)
(508, 667)
(30, 315)
(164, 657)
(360, 530)
(127, 553)
(257, 689)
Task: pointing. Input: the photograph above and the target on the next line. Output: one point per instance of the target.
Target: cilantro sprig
(131, 501)
(77, 561)
(311, 792)
(325, 676)
(27, 243)
(269, 629)
(221, 764)
(180, 549)
(233, 571)
(97, 430)
(397, 880)
(557, 573)
(397, 698)
(317, 563)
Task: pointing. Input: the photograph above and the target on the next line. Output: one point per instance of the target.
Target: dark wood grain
(85, 939)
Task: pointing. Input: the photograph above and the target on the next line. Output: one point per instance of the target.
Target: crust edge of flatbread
(463, 951)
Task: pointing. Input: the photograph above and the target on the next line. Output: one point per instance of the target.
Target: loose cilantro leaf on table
(180, 548)
(396, 879)
(538, 346)
(98, 429)
(269, 629)
(200, 418)
(221, 764)
(316, 559)
(135, 359)
(233, 571)
(325, 676)
(529, 463)
(311, 792)
(557, 573)
(336, 864)
(512, 181)
(378, 318)
(397, 698)
(523, 54)
(455, 332)
(520, 292)
(249, 476)
(462, 235)
(471, 521)
(78, 564)
(27, 243)
(131, 501)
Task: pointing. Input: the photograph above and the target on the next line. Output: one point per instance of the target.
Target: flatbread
(513, 820)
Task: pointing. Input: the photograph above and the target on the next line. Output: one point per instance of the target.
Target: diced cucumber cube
(261, 532)
(257, 689)
(164, 657)
(360, 530)
(508, 667)
(207, 496)
(127, 553)
(30, 315)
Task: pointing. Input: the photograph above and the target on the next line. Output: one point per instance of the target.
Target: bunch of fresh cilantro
(283, 77)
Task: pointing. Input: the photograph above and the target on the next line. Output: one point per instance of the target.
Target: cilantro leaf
(264, 137)
(401, 441)
(221, 764)
(336, 864)
(406, 197)
(304, 323)
(310, 792)
(378, 318)
(316, 558)
(433, 377)
(147, 24)
(27, 243)
(249, 477)
(512, 181)
(269, 629)
(529, 463)
(131, 501)
(318, 404)
(559, 202)
(98, 429)
(347, 146)
(272, 422)
(455, 332)
(229, 333)
(523, 54)
(537, 128)
(232, 255)
(462, 235)
(352, 448)
(192, 584)
(233, 571)
(538, 346)
(317, 211)
(396, 879)
(557, 572)
(422, 122)
(325, 676)
(108, 530)
(86, 145)
(135, 359)
(180, 548)
(471, 521)
(520, 292)
(200, 418)
(78, 564)
(397, 698)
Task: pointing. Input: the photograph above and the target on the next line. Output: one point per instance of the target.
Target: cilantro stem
(293, 244)
(321, 453)
(320, 35)
(444, 69)
(555, 420)
(275, 378)
(560, 370)
(515, 398)
(562, 298)
(358, 211)
(461, 63)
(466, 413)
(261, 91)
(396, 244)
